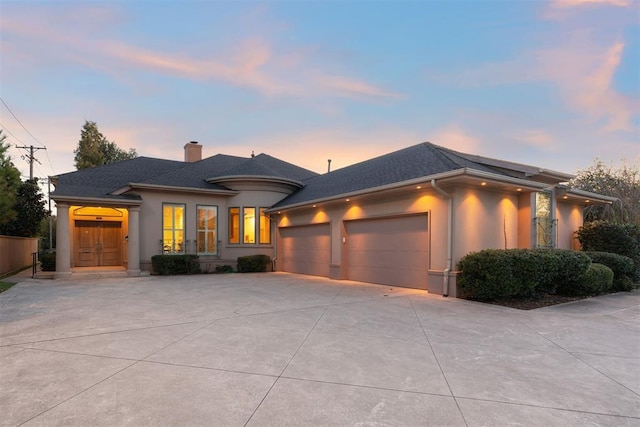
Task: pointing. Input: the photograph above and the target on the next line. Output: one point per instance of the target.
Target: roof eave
(449, 175)
(258, 178)
(592, 197)
(156, 187)
(102, 201)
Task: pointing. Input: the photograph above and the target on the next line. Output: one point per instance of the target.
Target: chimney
(192, 152)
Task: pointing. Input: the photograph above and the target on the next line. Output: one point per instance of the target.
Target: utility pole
(31, 157)
(50, 219)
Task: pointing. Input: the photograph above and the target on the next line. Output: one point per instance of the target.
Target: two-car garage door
(392, 251)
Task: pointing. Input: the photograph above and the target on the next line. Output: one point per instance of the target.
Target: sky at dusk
(549, 83)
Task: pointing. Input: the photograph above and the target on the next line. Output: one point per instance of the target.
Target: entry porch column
(133, 252)
(63, 242)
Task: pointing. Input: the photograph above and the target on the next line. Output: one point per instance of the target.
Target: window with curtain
(173, 228)
(207, 238)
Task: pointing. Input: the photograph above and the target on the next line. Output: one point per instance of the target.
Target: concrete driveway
(279, 349)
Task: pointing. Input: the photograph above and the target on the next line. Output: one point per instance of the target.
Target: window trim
(230, 225)
(206, 230)
(172, 251)
(544, 228)
(259, 212)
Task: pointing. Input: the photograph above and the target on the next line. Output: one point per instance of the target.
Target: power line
(19, 122)
(9, 132)
(49, 160)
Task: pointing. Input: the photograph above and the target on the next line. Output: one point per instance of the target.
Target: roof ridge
(440, 152)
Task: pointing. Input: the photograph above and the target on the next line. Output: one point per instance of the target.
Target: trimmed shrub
(621, 265)
(562, 268)
(48, 261)
(224, 269)
(253, 263)
(621, 239)
(168, 265)
(596, 280)
(495, 274)
(489, 275)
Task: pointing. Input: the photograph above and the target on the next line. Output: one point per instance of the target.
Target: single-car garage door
(391, 251)
(305, 249)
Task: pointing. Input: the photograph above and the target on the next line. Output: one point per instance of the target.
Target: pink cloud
(255, 63)
(453, 136)
(537, 138)
(584, 74)
(574, 3)
(350, 86)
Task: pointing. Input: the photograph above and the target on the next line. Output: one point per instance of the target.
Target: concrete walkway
(279, 349)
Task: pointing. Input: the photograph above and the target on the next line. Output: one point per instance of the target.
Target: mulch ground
(529, 304)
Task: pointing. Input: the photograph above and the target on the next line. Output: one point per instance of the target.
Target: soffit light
(483, 183)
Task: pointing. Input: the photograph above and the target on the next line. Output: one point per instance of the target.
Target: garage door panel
(305, 250)
(388, 259)
(391, 251)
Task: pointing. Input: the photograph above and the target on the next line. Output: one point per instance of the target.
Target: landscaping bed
(545, 300)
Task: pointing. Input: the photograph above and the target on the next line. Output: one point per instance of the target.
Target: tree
(95, 150)
(9, 183)
(30, 211)
(622, 182)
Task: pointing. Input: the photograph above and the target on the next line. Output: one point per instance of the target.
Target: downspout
(447, 270)
(274, 232)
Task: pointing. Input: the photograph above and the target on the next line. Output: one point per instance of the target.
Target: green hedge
(253, 263)
(598, 279)
(224, 269)
(48, 261)
(621, 239)
(622, 266)
(167, 265)
(495, 274)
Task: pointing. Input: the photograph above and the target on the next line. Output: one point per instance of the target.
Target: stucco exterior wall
(524, 221)
(151, 223)
(483, 219)
(570, 218)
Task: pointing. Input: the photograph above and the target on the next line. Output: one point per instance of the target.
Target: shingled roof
(264, 165)
(103, 181)
(413, 162)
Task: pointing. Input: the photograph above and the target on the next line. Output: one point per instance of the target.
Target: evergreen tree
(30, 211)
(9, 183)
(95, 150)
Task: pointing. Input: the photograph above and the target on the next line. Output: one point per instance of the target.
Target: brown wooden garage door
(305, 249)
(390, 251)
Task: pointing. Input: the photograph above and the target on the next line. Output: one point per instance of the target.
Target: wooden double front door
(97, 243)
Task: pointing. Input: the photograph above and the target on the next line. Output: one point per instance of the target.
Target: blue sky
(550, 83)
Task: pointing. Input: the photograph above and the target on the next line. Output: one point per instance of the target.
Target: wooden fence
(16, 253)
